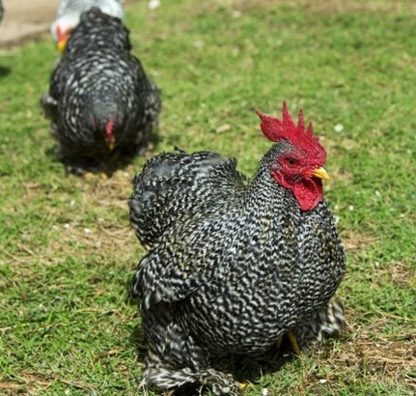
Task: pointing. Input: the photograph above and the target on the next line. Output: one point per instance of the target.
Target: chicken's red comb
(285, 129)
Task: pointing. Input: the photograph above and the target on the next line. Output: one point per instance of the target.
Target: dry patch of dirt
(9, 388)
(94, 223)
(105, 191)
(27, 20)
(381, 359)
(356, 241)
(109, 237)
(401, 274)
(389, 358)
(341, 174)
(32, 383)
(111, 243)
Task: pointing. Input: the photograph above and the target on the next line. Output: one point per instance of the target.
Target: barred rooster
(101, 103)
(69, 14)
(233, 265)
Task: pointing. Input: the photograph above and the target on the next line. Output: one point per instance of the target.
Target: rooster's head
(299, 165)
(62, 28)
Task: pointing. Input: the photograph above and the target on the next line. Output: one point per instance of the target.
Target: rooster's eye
(291, 162)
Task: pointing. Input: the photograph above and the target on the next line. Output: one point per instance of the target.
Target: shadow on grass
(252, 369)
(119, 160)
(4, 71)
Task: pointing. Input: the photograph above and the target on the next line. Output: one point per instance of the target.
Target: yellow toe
(294, 343)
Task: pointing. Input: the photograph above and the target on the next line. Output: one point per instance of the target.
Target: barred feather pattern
(329, 322)
(98, 80)
(232, 265)
(177, 186)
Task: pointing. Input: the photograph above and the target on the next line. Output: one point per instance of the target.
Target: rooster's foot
(294, 343)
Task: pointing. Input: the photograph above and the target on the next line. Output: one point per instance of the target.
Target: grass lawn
(66, 249)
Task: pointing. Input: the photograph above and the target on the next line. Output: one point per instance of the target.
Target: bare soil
(26, 20)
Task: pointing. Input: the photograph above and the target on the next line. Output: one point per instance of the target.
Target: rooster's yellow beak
(321, 173)
(61, 44)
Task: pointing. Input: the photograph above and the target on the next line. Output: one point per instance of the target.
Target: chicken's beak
(62, 37)
(321, 173)
(61, 44)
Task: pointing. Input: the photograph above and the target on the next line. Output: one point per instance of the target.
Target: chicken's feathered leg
(326, 323)
(170, 346)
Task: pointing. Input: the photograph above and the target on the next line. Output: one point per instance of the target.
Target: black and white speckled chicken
(101, 103)
(233, 265)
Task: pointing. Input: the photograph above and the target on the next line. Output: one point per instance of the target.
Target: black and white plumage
(233, 265)
(100, 102)
(69, 14)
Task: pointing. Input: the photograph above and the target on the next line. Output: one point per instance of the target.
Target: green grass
(66, 250)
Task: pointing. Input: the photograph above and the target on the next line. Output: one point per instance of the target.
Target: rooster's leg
(294, 343)
(219, 382)
(175, 359)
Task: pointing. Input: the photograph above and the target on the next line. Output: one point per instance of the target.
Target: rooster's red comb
(286, 129)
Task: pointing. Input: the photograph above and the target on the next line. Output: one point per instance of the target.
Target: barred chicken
(69, 14)
(102, 106)
(233, 265)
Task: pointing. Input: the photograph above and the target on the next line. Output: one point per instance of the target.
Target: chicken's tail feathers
(171, 185)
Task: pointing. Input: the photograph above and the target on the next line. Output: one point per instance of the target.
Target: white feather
(69, 12)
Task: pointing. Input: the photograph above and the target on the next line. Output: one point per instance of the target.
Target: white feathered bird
(69, 13)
